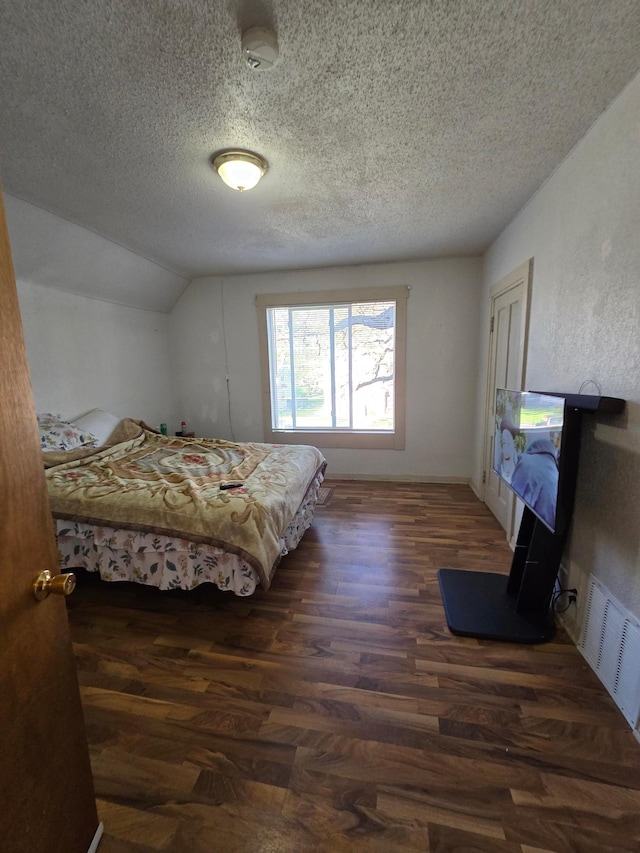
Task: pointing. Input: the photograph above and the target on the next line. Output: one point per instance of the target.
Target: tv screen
(527, 448)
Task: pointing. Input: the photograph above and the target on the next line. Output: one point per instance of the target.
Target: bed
(176, 512)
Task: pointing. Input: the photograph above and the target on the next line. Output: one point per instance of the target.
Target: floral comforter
(176, 487)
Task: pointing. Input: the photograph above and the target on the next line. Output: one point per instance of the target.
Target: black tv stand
(517, 608)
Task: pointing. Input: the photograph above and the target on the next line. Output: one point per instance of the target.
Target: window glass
(332, 367)
(335, 368)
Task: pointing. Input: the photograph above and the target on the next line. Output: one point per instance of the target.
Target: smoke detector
(260, 48)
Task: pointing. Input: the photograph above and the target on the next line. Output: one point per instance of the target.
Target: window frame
(338, 438)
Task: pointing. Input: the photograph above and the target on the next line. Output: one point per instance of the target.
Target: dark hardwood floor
(336, 712)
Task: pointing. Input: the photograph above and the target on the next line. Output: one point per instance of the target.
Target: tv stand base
(516, 608)
(477, 604)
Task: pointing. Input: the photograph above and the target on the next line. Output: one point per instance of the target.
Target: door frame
(521, 275)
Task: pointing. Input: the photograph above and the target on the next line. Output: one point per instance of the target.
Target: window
(333, 366)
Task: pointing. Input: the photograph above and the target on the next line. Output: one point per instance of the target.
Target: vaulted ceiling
(393, 129)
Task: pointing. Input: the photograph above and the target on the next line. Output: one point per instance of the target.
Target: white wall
(47, 249)
(583, 230)
(442, 337)
(107, 348)
(84, 353)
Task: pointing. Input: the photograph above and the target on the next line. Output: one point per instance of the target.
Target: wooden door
(47, 804)
(509, 319)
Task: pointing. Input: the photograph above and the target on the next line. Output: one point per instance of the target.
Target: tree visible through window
(332, 366)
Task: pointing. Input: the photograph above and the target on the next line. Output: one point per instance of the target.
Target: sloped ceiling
(393, 129)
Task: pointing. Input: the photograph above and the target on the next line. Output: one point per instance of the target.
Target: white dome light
(240, 170)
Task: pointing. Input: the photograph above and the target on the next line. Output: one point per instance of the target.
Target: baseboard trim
(96, 838)
(399, 478)
(570, 626)
(476, 488)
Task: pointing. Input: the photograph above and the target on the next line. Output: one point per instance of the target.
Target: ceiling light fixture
(240, 170)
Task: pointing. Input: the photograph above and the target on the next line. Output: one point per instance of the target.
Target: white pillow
(57, 434)
(98, 423)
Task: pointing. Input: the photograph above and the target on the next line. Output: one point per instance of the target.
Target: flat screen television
(530, 443)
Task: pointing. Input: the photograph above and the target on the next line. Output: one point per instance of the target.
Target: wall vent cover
(610, 642)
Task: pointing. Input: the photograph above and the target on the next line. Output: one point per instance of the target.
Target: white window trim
(338, 438)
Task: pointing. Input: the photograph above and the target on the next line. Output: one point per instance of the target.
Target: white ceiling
(393, 129)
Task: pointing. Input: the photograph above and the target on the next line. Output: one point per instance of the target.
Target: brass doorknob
(46, 584)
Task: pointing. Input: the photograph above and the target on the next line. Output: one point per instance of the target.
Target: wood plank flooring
(336, 712)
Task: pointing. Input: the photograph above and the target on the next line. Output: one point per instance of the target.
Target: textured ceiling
(393, 129)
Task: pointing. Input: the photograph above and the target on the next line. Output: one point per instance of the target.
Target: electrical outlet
(565, 598)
